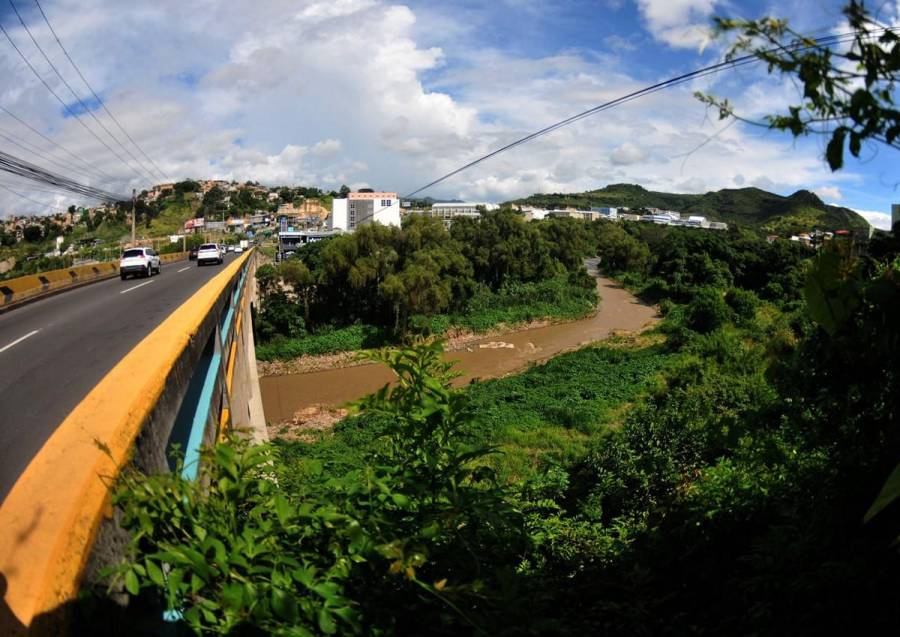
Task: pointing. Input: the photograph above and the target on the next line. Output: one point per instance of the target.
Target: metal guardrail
(175, 386)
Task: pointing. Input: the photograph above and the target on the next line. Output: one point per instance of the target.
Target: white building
(606, 213)
(446, 212)
(360, 208)
(696, 221)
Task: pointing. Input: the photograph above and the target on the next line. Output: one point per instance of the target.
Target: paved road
(53, 351)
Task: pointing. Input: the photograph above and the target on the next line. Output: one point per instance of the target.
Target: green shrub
(743, 303)
(707, 311)
(420, 526)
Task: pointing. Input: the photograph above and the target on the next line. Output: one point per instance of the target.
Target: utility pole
(133, 214)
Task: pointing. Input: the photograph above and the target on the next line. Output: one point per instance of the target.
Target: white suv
(139, 261)
(209, 253)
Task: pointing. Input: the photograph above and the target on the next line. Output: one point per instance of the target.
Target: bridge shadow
(92, 614)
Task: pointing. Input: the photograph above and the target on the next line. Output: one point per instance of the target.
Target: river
(492, 357)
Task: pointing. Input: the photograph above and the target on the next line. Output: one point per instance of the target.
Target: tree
(848, 95)
(302, 281)
(344, 191)
(32, 234)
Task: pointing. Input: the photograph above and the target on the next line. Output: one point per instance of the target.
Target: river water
(283, 396)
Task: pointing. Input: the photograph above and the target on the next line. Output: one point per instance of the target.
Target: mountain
(750, 207)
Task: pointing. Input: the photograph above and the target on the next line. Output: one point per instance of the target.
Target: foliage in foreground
(234, 552)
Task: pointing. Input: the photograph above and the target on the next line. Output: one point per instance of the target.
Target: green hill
(750, 207)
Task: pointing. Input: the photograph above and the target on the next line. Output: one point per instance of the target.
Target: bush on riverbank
(422, 279)
(558, 298)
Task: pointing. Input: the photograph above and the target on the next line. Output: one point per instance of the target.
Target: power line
(75, 95)
(34, 150)
(26, 198)
(97, 171)
(64, 105)
(94, 93)
(680, 79)
(32, 188)
(19, 167)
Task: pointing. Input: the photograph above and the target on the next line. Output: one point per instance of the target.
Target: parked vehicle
(209, 253)
(139, 262)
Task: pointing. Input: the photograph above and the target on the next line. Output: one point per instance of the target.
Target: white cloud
(327, 148)
(626, 154)
(327, 93)
(881, 220)
(829, 192)
(679, 23)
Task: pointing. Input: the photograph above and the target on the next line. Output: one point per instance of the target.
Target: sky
(391, 95)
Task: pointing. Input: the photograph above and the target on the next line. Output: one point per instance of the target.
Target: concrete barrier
(32, 286)
(56, 523)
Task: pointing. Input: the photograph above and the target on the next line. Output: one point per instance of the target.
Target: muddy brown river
(491, 357)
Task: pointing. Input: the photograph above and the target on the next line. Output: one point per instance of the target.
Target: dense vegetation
(802, 211)
(382, 282)
(734, 474)
(711, 478)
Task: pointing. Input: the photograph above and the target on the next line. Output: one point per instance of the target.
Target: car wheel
(124, 276)
(148, 272)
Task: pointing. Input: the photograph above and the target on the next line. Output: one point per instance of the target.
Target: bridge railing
(186, 383)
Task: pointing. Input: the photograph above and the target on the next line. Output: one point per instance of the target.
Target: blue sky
(392, 94)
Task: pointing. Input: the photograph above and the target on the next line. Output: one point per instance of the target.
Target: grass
(327, 341)
(555, 298)
(544, 416)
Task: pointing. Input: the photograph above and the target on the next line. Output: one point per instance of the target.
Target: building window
(385, 203)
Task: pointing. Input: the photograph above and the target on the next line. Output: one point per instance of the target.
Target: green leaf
(131, 583)
(155, 573)
(834, 153)
(326, 622)
(284, 605)
(889, 492)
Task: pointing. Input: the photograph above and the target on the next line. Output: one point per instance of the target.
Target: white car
(139, 262)
(209, 253)
(238, 249)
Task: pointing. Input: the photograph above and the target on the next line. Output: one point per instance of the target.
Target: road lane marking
(137, 286)
(183, 269)
(18, 340)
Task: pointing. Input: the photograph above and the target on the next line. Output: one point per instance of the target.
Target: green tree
(848, 95)
(32, 234)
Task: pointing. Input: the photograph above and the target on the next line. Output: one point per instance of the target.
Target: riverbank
(486, 356)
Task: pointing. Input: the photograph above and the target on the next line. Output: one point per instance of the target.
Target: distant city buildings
(447, 212)
(359, 208)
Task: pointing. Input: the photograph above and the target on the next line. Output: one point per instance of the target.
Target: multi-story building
(606, 213)
(360, 208)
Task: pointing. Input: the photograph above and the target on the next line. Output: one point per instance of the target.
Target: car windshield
(209, 246)
(130, 254)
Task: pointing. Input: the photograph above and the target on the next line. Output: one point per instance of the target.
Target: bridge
(97, 373)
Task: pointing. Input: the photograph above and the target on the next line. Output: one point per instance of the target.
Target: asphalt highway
(53, 351)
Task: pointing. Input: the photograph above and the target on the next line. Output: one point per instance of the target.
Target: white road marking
(137, 286)
(183, 269)
(18, 340)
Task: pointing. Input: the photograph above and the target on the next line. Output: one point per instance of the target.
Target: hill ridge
(748, 206)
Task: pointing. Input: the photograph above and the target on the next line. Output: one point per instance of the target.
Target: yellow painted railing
(50, 518)
(13, 291)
